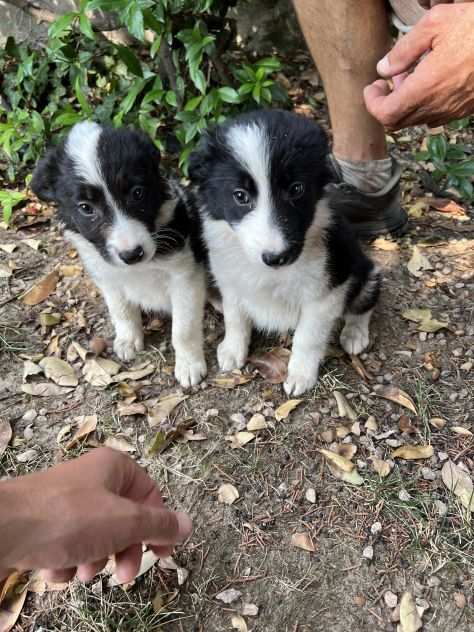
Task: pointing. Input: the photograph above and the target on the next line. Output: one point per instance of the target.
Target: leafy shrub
(452, 162)
(181, 71)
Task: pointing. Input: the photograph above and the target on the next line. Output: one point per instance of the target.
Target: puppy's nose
(275, 259)
(132, 256)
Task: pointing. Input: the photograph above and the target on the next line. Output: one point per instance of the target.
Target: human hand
(441, 87)
(71, 518)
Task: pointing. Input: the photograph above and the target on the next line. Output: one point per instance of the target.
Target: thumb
(408, 50)
(386, 106)
(158, 526)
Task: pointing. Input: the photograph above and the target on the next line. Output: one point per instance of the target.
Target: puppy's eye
(138, 193)
(86, 209)
(241, 197)
(296, 190)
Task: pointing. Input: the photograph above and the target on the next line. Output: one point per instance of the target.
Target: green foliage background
(181, 72)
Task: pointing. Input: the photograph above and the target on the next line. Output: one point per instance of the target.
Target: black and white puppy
(134, 235)
(281, 258)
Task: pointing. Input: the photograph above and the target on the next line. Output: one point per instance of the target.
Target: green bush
(452, 163)
(181, 71)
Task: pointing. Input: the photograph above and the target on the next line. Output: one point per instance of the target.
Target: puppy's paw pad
(297, 383)
(230, 357)
(190, 371)
(127, 348)
(354, 339)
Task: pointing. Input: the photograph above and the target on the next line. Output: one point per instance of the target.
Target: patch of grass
(417, 525)
(428, 399)
(12, 340)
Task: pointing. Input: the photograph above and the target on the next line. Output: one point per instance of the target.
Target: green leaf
(86, 26)
(133, 17)
(438, 146)
(421, 155)
(170, 98)
(8, 201)
(228, 95)
(79, 92)
(269, 63)
(192, 104)
(61, 25)
(129, 59)
(466, 189)
(256, 92)
(199, 80)
(463, 169)
(132, 94)
(66, 119)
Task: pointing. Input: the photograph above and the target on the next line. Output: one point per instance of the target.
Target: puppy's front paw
(354, 339)
(298, 383)
(126, 347)
(189, 370)
(230, 355)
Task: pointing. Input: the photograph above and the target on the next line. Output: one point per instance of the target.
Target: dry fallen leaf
(229, 596)
(395, 394)
(412, 452)
(32, 243)
(371, 425)
(230, 380)
(5, 271)
(74, 351)
(459, 482)
(285, 409)
(164, 408)
(360, 368)
(87, 424)
(39, 292)
(339, 461)
(344, 409)
(460, 430)
(126, 410)
(8, 248)
(59, 371)
(450, 207)
(347, 450)
(272, 365)
(422, 316)
(30, 368)
(38, 585)
(190, 435)
(12, 597)
(134, 374)
(418, 263)
(460, 600)
(99, 371)
(410, 620)
(71, 270)
(250, 610)
(238, 623)
(120, 444)
(227, 494)
(438, 423)
(383, 468)
(45, 389)
(303, 541)
(164, 439)
(257, 422)
(5, 435)
(405, 424)
(240, 439)
(381, 243)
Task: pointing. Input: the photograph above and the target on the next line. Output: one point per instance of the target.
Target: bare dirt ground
(405, 531)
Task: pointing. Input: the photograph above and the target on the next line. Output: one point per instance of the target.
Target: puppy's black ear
(46, 174)
(200, 159)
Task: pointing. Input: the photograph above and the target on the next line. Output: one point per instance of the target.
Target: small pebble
(404, 495)
(27, 455)
(310, 495)
(459, 600)
(443, 456)
(368, 552)
(390, 599)
(43, 412)
(423, 335)
(433, 581)
(428, 474)
(375, 529)
(28, 432)
(467, 366)
(30, 415)
(441, 507)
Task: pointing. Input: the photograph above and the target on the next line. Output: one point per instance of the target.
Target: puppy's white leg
(309, 346)
(233, 350)
(127, 321)
(188, 297)
(354, 337)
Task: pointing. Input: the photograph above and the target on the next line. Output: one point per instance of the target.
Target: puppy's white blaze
(82, 146)
(257, 230)
(127, 234)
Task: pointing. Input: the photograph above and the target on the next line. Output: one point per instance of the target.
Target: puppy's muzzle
(277, 259)
(132, 256)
